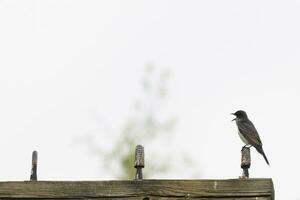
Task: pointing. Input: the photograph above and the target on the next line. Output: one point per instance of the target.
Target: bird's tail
(261, 151)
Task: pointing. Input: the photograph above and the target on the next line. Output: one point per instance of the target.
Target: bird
(248, 132)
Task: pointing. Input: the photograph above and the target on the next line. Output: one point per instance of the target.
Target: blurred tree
(146, 125)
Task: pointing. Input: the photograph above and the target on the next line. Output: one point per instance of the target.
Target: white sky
(63, 61)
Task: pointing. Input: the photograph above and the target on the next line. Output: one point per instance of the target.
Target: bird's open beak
(234, 118)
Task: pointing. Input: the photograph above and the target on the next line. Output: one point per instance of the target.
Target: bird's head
(240, 114)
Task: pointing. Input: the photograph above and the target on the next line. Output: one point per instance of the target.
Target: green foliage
(145, 126)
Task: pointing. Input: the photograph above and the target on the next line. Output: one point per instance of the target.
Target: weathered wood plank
(154, 189)
(159, 198)
(155, 198)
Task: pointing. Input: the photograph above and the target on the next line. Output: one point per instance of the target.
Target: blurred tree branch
(145, 125)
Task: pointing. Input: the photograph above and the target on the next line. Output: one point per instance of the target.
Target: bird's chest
(243, 138)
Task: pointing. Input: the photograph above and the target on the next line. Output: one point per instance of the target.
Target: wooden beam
(151, 198)
(260, 189)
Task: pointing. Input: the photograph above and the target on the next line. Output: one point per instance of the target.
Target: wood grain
(260, 189)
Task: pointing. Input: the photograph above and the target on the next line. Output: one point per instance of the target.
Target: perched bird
(248, 132)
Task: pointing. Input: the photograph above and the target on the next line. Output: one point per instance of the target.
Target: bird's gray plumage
(248, 132)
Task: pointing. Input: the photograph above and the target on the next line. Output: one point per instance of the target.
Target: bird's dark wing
(250, 133)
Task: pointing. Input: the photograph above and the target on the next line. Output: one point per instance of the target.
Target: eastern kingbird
(248, 132)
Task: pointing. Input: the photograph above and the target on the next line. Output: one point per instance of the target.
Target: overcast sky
(64, 62)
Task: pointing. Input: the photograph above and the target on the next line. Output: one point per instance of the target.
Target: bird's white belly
(243, 138)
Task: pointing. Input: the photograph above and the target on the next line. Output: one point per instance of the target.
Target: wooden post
(139, 162)
(33, 176)
(245, 161)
